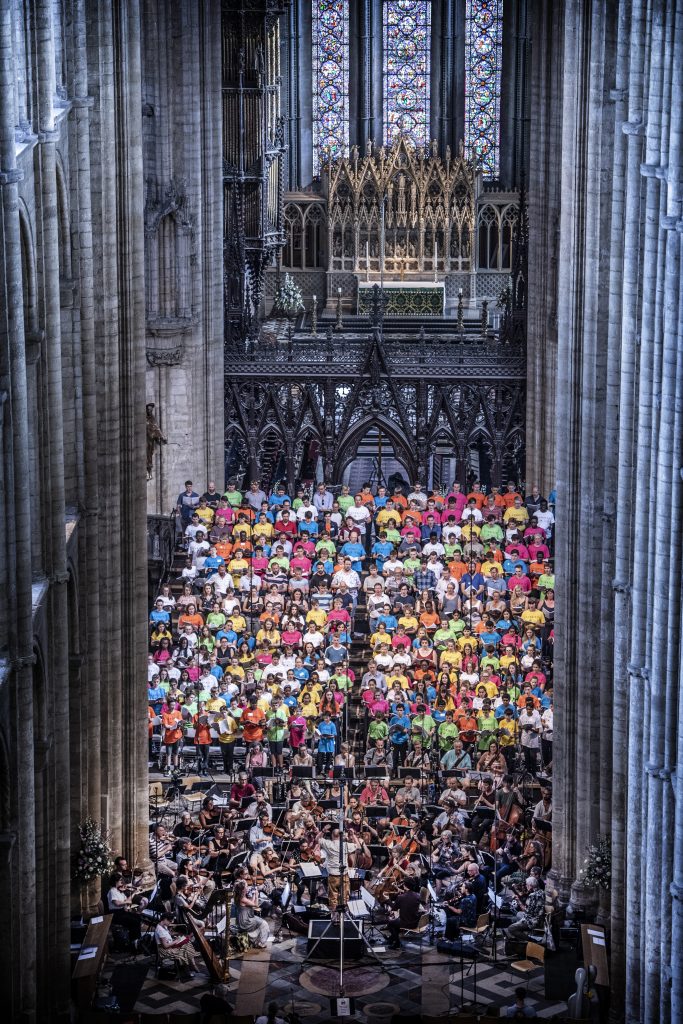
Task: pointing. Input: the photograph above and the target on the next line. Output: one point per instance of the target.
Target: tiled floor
(420, 980)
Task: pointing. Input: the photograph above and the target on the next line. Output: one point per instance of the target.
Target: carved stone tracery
(429, 205)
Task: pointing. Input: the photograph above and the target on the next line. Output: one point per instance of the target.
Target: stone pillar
(21, 856)
(130, 249)
(89, 610)
(617, 515)
(58, 942)
(544, 215)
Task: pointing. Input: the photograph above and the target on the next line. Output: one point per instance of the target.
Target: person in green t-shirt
(232, 495)
(487, 724)
(345, 501)
(277, 721)
(447, 732)
(423, 727)
(378, 728)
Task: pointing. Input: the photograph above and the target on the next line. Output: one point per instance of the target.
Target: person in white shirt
(418, 496)
(471, 512)
(314, 636)
(529, 723)
(178, 948)
(307, 506)
(360, 516)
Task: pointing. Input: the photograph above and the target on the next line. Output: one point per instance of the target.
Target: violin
(273, 830)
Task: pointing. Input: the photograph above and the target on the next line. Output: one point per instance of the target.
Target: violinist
(461, 908)
(219, 851)
(445, 857)
(260, 841)
(186, 828)
(209, 815)
(258, 806)
(120, 906)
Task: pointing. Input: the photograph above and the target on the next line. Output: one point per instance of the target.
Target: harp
(214, 938)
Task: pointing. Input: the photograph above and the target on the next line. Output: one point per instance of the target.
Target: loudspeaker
(560, 968)
(455, 947)
(323, 940)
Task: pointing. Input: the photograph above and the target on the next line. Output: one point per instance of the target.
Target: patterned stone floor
(416, 981)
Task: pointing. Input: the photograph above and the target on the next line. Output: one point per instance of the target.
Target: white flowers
(94, 857)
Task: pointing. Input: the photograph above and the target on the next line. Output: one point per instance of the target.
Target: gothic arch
(350, 442)
(28, 269)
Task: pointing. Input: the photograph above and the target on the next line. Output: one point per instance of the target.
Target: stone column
(643, 592)
(21, 860)
(89, 611)
(616, 530)
(110, 522)
(132, 412)
(59, 669)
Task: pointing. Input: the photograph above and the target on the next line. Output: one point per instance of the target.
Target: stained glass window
(330, 80)
(407, 38)
(483, 60)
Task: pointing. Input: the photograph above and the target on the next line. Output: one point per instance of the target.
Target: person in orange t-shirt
(252, 722)
(467, 726)
(172, 734)
(191, 618)
(202, 737)
(510, 495)
(477, 495)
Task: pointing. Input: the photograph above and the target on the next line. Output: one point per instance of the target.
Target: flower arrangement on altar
(288, 300)
(597, 869)
(95, 856)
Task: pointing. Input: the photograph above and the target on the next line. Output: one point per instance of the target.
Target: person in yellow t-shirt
(316, 615)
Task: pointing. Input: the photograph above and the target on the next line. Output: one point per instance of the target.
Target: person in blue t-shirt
(327, 733)
(355, 551)
(399, 734)
(381, 550)
(386, 619)
(159, 614)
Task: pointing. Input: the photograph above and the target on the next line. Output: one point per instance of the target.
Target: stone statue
(154, 437)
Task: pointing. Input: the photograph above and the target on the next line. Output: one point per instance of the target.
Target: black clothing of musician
(409, 909)
(465, 917)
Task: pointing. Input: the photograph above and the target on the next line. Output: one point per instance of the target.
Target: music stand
(303, 771)
(375, 772)
(340, 771)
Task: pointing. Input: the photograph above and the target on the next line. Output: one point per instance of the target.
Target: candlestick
(436, 258)
(314, 317)
(339, 326)
(367, 261)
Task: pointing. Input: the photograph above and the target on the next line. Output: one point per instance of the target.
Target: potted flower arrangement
(288, 302)
(94, 858)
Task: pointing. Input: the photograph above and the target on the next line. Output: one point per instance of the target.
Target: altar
(404, 298)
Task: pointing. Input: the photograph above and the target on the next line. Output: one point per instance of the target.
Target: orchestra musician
(121, 908)
(407, 909)
(460, 904)
(176, 948)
